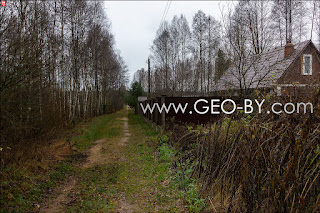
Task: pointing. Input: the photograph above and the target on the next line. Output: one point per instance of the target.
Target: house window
(307, 65)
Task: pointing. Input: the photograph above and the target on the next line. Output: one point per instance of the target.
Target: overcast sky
(134, 24)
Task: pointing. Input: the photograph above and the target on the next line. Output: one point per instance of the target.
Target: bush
(256, 164)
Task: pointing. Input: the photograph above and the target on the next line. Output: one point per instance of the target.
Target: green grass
(142, 179)
(181, 183)
(140, 172)
(138, 122)
(21, 189)
(188, 188)
(101, 127)
(93, 191)
(152, 176)
(17, 190)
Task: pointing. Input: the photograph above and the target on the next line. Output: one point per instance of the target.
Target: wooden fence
(189, 116)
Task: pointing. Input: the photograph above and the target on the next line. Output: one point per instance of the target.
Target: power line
(165, 12)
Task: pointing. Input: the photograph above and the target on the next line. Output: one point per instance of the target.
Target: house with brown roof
(280, 70)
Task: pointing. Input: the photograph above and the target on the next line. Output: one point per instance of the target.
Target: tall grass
(259, 164)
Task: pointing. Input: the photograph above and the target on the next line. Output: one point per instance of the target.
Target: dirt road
(120, 174)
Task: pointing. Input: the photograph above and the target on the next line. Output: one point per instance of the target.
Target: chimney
(288, 49)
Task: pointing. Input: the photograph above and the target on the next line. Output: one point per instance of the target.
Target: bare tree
(58, 66)
(199, 27)
(291, 13)
(161, 50)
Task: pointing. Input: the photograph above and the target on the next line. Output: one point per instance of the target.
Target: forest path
(121, 173)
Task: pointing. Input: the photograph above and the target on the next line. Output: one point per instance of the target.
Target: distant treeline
(58, 66)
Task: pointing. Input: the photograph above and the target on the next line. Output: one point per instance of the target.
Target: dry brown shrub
(267, 163)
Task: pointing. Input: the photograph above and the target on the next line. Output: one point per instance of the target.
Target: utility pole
(149, 79)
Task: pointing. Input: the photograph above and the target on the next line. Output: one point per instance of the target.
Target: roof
(261, 70)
